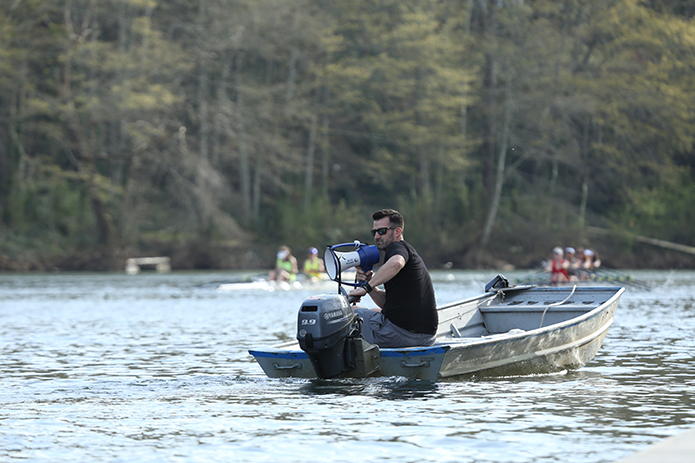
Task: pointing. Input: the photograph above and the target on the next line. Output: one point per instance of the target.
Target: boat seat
(475, 331)
(541, 308)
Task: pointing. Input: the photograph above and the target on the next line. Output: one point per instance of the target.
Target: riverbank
(188, 255)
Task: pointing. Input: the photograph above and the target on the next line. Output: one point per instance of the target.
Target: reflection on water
(384, 388)
(155, 367)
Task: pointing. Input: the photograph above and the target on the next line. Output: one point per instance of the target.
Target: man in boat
(590, 264)
(573, 264)
(558, 267)
(313, 265)
(406, 315)
(591, 260)
(285, 266)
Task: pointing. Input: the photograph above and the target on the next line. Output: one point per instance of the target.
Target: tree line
(490, 124)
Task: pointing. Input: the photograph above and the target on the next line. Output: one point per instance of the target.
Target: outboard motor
(325, 326)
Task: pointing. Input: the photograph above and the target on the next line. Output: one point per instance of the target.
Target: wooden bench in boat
(523, 316)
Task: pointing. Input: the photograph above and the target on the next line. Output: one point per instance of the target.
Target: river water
(109, 367)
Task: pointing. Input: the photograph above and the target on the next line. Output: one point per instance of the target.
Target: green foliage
(664, 210)
(291, 121)
(50, 207)
(323, 224)
(404, 89)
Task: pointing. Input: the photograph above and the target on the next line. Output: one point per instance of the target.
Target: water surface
(110, 367)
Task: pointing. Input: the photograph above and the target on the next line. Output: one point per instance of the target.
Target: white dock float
(676, 449)
(135, 264)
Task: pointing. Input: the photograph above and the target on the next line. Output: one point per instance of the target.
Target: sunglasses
(382, 231)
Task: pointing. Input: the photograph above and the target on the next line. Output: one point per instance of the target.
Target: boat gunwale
(283, 350)
(502, 338)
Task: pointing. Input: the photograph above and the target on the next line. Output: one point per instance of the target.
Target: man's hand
(361, 275)
(358, 292)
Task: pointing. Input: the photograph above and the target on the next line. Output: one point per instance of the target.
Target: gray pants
(377, 329)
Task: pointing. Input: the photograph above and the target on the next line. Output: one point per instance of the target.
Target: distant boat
(260, 283)
(600, 276)
(509, 330)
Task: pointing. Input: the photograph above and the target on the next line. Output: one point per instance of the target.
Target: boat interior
(522, 310)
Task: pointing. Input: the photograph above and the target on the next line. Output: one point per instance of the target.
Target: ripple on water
(152, 368)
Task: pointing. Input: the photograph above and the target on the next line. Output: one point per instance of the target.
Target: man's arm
(387, 271)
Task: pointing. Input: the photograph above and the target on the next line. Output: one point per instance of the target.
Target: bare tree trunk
(554, 174)
(116, 129)
(499, 177)
(423, 149)
(292, 74)
(582, 204)
(198, 204)
(257, 177)
(309, 174)
(14, 176)
(202, 84)
(325, 156)
(222, 112)
(464, 121)
(106, 229)
(325, 147)
(206, 201)
(438, 186)
(425, 188)
(203, 111)
(294, 56)
(469, 16)
(84, 144)
(489, 123)
(464, 129)
(487, 22)
(244, 168)
(585, 180)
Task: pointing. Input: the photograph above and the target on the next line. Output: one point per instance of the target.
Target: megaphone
(364, 256)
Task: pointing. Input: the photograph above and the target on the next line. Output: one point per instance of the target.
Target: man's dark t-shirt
(410, 301)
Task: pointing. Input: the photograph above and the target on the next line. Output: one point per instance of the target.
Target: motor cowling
(324, 325)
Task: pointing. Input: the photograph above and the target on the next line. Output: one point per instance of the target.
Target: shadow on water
(385, 388)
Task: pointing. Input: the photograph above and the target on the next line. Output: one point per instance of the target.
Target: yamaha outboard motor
(325, 325)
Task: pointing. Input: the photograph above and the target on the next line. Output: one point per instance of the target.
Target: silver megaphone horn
(364, 256)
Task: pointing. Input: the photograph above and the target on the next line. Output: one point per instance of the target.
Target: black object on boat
(326, 327)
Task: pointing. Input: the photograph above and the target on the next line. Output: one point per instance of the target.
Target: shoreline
(252, 258)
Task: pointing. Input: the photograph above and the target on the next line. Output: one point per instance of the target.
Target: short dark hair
(394, 216)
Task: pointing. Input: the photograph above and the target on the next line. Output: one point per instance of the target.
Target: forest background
(213, 131)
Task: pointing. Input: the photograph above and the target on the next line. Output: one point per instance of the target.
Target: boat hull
(288, 360)
(517, 331)
(556, 348)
